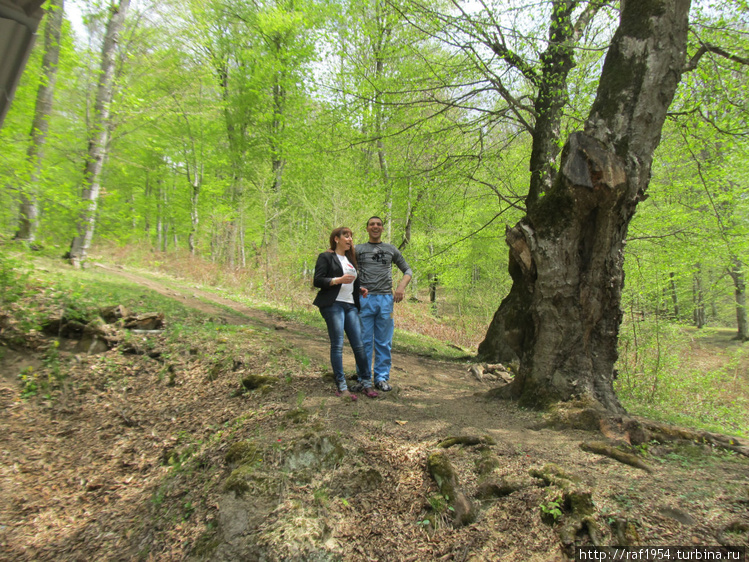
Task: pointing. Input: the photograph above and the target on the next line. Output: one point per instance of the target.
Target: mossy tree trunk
(562, 315)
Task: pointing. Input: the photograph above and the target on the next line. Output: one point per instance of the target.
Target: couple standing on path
(356, 297)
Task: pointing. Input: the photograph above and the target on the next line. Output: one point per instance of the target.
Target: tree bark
(29, 209)
(739, 283)
(195, 183)
(698, 299)
(278, 162)
(506, 333)
(556, 62)
(562, 315)
(674, 295)
(99, 137)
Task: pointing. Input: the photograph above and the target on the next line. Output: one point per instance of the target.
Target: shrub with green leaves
(13, 279)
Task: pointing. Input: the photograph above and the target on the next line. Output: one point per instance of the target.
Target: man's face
(374, 229)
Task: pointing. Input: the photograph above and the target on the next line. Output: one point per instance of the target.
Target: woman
(338, 299)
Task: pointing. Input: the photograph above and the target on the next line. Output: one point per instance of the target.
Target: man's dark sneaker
(384, 386)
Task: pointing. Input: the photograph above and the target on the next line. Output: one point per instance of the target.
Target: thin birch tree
(98, 136)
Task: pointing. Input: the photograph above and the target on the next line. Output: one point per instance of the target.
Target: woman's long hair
(350, 253)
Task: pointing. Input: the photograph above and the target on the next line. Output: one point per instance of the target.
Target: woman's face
(345, 241)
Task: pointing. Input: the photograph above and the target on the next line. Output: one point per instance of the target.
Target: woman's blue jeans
(344, 317)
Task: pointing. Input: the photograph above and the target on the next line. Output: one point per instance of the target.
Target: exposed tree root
(466, 440)
(624, 532)
(651, 430)
(589, 415)
(600, 448)
(443, 473)
(576, 505)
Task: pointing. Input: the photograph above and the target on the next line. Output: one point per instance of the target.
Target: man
(375, 259)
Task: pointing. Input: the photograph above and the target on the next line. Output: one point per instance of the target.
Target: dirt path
(102, 474)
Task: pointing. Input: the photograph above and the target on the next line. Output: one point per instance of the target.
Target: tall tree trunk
(567, 253)
(410, 209)
(739, 283)
(379, 48)
(506, 333)
(236, 123)
(29, 209)
(99, 136)
(278, 162)
(277, 166)
(147, 191)
(556, 63)
(382, 158)
(194, 171)
(242, 252)
(195, 182)
(674, 295)
(698, 299)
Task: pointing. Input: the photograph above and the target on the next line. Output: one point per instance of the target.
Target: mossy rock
(265, 389)
(243, 479)
(579, 500)
(315, 451)
(553, 474)
(297, 415)
(206, 544)
(237, 483)
(254, 382)
(492, 488)
(487, 463)
(242, 452)
(357, 481)
(625, 532)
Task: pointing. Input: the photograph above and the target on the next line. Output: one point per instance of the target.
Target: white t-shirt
(346, 294)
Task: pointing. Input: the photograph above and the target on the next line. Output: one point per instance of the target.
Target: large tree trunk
(562, 315)
(506, 333)
(99, 139)
(29, 210)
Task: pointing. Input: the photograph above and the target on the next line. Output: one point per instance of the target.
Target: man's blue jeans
(377, 333)
(343, 317)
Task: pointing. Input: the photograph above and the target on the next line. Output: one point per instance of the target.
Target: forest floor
(155, 451)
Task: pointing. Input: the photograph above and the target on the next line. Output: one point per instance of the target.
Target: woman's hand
(346, 279)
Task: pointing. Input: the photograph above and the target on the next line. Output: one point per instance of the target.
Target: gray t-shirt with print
(375, 266)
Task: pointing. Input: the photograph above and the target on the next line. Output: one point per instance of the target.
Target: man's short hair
(375, 217)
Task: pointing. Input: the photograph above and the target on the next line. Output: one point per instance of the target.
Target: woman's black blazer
(327, 268)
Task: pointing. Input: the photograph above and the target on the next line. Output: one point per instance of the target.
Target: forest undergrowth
(667, 371)
(159, 446)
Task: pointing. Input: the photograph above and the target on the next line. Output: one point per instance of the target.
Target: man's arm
(400, 290)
